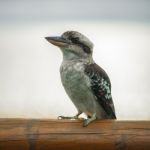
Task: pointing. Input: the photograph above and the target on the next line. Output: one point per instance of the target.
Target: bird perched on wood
(87, 84)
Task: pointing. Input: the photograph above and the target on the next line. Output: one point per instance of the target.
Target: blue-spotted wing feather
(101, 87)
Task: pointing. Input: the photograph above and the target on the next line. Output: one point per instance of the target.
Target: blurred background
(30, 85)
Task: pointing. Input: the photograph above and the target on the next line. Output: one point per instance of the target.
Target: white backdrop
(30, 85)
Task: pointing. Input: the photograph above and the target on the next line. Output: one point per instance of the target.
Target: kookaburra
(87, 84)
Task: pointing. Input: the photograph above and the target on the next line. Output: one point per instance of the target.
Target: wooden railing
(21, 134)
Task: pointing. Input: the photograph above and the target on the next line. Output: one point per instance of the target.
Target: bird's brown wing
(101, 87)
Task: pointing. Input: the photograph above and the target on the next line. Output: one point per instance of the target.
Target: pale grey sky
(49, 10)
(30, 85)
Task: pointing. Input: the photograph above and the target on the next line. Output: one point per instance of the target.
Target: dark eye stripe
(85, 48)
(75, 40)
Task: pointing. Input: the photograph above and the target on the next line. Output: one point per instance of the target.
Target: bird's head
(74, 45)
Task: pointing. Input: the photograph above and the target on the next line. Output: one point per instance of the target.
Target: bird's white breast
(73, 76)
(77, 86)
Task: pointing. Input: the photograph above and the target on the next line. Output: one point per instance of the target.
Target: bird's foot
(65, 117)
(74, 117)
(86, 122)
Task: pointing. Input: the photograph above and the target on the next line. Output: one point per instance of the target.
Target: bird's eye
(75, 40)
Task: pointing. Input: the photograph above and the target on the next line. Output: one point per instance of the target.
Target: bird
(86, 83)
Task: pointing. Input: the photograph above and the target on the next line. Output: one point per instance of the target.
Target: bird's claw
(59, 117)
(64, 117)
(81, 119)
(85, 122)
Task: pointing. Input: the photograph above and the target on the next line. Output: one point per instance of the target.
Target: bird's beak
(58, 41)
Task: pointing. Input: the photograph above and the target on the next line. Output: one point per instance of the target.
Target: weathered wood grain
(32, 134)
